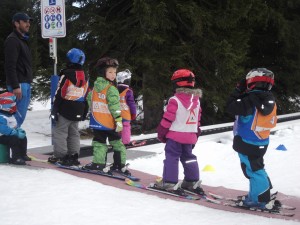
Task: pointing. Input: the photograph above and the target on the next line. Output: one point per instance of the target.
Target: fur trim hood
(197, 92)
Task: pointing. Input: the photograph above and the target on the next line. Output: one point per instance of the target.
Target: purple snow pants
(174, 152)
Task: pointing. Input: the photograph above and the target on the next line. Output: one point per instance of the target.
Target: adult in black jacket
(18, 64)
(254, 106)
(69, 107)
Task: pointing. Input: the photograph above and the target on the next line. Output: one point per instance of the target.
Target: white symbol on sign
(47, 25)
(52, 17)
(46, 18)
(58, 17)
(58, 24)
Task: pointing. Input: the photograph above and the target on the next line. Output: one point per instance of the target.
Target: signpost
(53, 25)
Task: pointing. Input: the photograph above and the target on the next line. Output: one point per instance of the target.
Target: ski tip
(128, 181)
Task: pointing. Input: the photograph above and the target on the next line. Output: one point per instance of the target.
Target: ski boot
(53, 159)
(74, 160)
(97, 167)
(66, 161)
(170, 187)
(193, 186)
(121, 168)
(18, 161)
(26, 158)
(248, 203)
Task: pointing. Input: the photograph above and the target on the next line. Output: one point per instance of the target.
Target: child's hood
(77, 77)
(188, 97)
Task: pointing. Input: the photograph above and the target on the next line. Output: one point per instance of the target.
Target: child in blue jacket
(11, 135)
(254, 107)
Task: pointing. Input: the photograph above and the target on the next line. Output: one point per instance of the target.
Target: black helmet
(260, 78)
(104, 63)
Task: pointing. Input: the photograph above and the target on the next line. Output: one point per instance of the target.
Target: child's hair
(124, 77)
(8, 102)
(103, 63)
(76, 56)
(183, 78)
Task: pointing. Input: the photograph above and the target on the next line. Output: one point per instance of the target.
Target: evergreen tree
(220, 41)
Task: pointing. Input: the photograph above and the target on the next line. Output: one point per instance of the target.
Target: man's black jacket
(18, 61)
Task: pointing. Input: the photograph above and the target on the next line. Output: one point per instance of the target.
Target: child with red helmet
(11, 135)
(179, 129)
(254, 107)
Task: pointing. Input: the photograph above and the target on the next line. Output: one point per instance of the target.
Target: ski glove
(241, 86)
(54, 116)
(19, 132)
(161, 133)
(133, 116)
(119, 125)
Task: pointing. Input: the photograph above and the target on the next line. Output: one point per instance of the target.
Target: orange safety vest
(101, 117)
(125, 111)
(262, 124)
(74, 93)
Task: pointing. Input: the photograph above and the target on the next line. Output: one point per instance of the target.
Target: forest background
(219, 40)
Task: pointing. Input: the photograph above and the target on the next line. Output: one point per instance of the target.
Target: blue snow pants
(260, 185)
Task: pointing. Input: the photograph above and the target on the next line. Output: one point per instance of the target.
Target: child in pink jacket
(179, 129)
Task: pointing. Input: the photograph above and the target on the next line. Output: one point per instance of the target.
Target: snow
(36, 196)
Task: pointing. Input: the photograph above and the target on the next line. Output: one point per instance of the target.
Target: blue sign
(52, 2)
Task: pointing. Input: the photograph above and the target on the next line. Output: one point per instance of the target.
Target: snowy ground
(46, 197)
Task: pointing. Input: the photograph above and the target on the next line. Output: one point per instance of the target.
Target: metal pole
(54, 79)
(55, 55)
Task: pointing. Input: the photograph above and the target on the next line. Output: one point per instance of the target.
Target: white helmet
(124, 76)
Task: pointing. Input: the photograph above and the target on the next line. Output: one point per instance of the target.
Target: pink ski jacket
(190, 99)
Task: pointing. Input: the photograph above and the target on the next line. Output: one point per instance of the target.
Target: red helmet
(183, 78)
(8, 102)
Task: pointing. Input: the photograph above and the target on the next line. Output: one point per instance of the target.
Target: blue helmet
(76, 56)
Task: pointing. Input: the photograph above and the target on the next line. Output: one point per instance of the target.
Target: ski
(38, 160)
(205, 197)
(133, 178)
(152, 187)
(273, 197)
(78, 168)
(271, 211)
(95, 172)
(232, 202)
(132, 144)
(135, 143)
(122, 172)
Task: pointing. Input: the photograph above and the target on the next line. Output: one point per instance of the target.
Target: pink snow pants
(126, 132)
